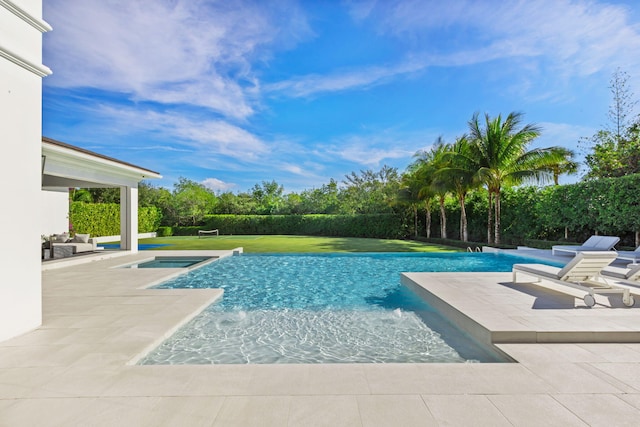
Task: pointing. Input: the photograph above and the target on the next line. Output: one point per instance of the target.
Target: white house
(36, 173)
(21, 73)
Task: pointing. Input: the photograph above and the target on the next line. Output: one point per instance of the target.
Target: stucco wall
(21, 74)
(54, 215)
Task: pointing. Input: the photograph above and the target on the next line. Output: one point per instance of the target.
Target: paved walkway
(75, 369)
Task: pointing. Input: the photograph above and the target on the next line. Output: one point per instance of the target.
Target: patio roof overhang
(67, 166)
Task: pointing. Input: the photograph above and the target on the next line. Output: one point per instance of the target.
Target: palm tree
(409, 195)
(499, 148)
(430, 162)
(565, 163)
(459, 177)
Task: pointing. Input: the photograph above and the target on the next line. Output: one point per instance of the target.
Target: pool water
(323, 308)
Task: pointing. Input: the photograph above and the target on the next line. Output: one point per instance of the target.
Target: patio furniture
(64, 245)
(583, 272)
(633, 256)
(61, 251)
(207, 233)
(630, 275)
(593, 243)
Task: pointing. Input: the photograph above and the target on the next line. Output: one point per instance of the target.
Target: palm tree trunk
(415, 220)
(427, 218)
(490, 220)
(497, 218)
(443, 219)
(463, 220)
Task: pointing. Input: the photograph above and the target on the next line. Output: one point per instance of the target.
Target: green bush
(103, 219)
(164, 231)
(530, 214)
(377, 225)
(148, 219)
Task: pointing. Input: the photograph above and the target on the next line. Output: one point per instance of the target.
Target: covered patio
(66, 166)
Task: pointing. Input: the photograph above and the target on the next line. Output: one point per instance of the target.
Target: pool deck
(76, 368)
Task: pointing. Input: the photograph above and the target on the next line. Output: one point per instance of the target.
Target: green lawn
(297, 244)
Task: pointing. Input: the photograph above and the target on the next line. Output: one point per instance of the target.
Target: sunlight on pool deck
(76, 369)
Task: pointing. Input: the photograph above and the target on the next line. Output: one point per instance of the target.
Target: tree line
(492, 155)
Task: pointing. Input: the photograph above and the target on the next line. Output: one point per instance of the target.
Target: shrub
(376, 225)
(103, 219)
(164, 231)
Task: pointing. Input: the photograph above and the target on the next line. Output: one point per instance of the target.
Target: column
(129, 218)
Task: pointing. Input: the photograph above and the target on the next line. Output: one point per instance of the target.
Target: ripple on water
(322, 309)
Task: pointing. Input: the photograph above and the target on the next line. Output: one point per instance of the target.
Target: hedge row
(383, 226)
(608, 206)
(103, 219)
(529, 214)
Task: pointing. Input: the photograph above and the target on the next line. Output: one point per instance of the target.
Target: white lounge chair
(593, 243)
(582, 273)
(208, 233)
(633, 256)
(631, 275)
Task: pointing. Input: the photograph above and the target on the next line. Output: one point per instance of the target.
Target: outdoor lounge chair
(633, 256)
(582, 273)
(593, 243)
(630, 275)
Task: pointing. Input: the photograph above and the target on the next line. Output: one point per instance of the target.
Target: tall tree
(409, 195)
(370, 191)
(614, 150)
(565, 164)
(191, 201)
(269, 197)
(622, 104)
(428, 164)
(500, 149)
(458, 175)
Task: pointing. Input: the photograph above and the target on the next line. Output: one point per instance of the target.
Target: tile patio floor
(75, 371)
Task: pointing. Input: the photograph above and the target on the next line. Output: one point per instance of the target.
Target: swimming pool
(323, 308)
(170, 262)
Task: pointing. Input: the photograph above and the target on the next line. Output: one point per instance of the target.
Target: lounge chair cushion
(593, 243)
(539, 270)
(615, 272)
(632, 273)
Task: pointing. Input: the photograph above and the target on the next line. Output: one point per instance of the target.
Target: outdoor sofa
(68, 245)
(593, 243)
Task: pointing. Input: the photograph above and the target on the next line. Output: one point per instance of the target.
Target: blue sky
(233, 93)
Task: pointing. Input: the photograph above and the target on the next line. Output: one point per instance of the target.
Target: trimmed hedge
(103, 219)
(382, 226)
(607, 206)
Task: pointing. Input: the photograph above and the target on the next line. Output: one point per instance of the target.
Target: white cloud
(572, 38)
(303, 86)
(562, 134)
(217, 185)
(377, 148)
(210, 138)
(171, 51)
(578, 37)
